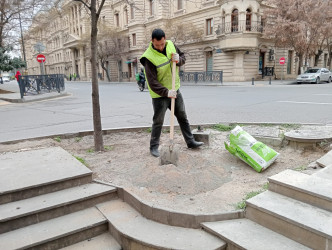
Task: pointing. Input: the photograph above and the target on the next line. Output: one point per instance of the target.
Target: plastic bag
(247, 148)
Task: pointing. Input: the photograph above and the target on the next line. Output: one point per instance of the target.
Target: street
(123, 105)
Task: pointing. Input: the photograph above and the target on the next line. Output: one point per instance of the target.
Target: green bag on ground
(247, 148)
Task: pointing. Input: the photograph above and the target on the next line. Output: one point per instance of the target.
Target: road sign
(282, 60)
(41, 58)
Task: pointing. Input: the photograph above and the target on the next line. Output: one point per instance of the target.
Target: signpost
(282, 61)
(41, 59)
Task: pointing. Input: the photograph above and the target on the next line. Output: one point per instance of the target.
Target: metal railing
(241, 26)
(268, 71)
(202, 77)
(38, 84)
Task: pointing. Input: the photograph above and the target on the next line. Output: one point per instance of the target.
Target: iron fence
(38, 84)
(202, 77)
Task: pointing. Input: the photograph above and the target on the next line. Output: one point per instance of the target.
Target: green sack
(247, 148)
(137, 77)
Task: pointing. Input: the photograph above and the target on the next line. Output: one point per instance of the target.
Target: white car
(5, 79)
(315, 75)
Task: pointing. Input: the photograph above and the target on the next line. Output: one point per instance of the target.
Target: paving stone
(325, 160)
(135, 228)
(246, 234)
(43, 232)
(101, 242)
(23, 170)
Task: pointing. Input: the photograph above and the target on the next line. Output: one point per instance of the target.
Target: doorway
(261, 62)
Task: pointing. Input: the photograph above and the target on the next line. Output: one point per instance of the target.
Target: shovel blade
(169, 155)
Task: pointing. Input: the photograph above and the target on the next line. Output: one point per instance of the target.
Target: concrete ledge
(169, 217)
(15, 98)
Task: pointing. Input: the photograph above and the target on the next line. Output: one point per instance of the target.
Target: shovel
(169, 154)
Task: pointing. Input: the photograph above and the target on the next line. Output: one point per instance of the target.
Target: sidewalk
(10, 92)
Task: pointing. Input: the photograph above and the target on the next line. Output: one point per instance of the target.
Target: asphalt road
(123, 105)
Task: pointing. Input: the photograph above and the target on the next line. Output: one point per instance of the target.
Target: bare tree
(95, 13)
(297, 24)
(111, 44)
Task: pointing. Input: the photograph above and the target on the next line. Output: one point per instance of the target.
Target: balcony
(241, 36)
(241, 26)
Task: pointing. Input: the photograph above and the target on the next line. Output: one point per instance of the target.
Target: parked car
(5, 79)
(315, 75)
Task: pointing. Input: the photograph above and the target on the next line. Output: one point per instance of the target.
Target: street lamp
(18, 3)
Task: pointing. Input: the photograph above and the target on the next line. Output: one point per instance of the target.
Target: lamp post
(18, 3)
(23, 47)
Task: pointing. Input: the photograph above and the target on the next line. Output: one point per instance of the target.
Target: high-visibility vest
(164, 66)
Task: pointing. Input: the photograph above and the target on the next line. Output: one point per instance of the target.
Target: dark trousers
(160, 105)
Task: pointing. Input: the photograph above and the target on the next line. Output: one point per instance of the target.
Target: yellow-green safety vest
(164, 66)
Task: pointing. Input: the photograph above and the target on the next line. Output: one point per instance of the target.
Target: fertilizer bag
(247, 148)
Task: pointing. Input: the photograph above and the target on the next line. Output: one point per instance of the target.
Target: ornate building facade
(223, 35)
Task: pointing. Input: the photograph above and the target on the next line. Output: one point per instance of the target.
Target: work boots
(194, 144)
(154, 151)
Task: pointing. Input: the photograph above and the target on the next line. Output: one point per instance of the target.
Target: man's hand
(171, 93)
(175, 57)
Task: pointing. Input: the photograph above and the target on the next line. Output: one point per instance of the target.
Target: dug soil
(206, 180)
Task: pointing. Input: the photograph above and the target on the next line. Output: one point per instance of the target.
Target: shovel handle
(171, 135)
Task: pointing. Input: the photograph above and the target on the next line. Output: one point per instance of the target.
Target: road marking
(314, 103)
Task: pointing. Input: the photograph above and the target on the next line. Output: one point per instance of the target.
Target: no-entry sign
(282, 60)
(41, 58)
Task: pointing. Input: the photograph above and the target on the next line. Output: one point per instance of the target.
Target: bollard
(252, 81)
(270, 80)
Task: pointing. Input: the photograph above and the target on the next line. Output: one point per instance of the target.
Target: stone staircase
(49, 201)
(295, 213)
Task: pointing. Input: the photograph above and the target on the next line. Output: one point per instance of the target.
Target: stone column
(73, 61)
(82, 64)
(238, 66)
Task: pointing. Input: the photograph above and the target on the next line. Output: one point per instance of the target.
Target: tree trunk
(98, 133)
(300, 64)
(106, 70)
(317, 57)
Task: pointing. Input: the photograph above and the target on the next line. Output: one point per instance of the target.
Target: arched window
(235, 20)
(248, 20)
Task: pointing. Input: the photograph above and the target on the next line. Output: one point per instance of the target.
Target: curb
(137, 129)
(171, 217)
(33, 98)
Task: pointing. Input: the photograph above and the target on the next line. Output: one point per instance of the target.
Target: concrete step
(57, 233)
(133, 231)
(310, 189)
(302, 222)
(22, 213)
(30, 173)
(325, 173)
(104, 241)
(246, 234)
(325, 160)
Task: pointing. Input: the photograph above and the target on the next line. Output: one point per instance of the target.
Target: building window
(134, 39)
(235, 20)
(151, 7)
(117, 21)
(126, 16)
(248, 20)
(132, 12)
(180, 4)
(209, 26)
(289, 63)
(209, 61)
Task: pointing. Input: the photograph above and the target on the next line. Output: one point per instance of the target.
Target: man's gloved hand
(171, 93)
(175, 57)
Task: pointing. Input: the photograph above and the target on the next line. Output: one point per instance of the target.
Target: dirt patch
(207, 180)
